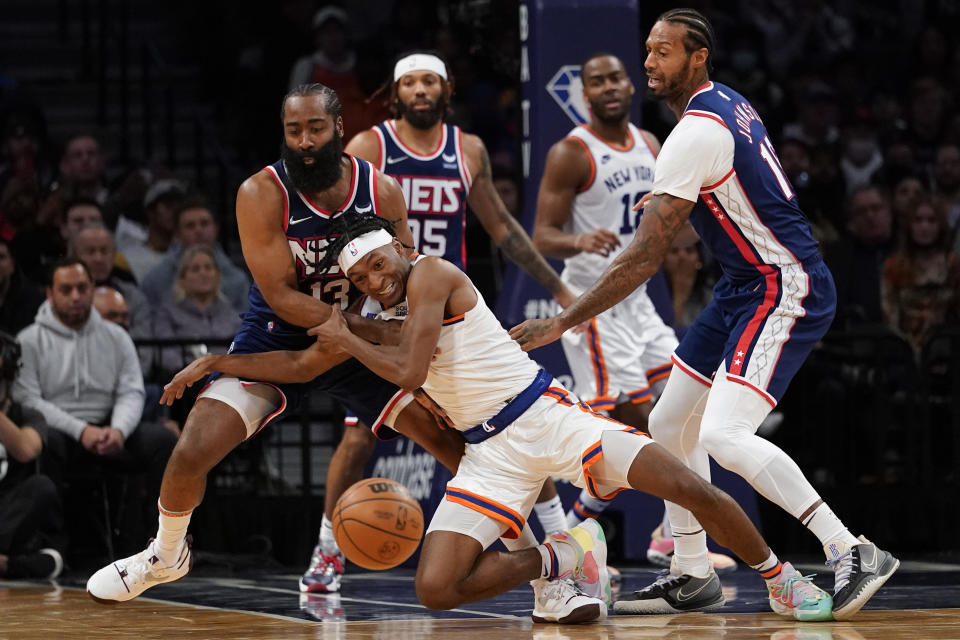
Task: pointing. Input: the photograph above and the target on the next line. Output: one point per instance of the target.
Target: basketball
(377, 523)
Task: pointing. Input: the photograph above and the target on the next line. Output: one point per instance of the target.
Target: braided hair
(350, 227)
(699, 31)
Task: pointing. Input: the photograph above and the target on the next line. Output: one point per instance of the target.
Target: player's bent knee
(434, 591)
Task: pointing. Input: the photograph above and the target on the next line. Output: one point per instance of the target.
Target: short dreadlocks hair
(347, 228)
(699, 31)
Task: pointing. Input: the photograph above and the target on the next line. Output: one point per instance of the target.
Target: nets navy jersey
(435, 187)
(308, 230)
(750, 218)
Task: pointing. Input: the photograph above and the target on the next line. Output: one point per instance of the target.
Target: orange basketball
(377, 523)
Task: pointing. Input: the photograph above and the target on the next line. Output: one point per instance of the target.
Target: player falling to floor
(441, 170)
(775, 300)
(591, 180)
(450, 344)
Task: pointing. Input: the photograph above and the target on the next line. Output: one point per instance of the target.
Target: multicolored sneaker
(590, 574)
(660, 552)
(860, 571)
(560, 601)
(324, 573)
(126, 579)
(795, 596)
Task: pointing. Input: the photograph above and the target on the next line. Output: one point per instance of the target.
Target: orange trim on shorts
(489, 508)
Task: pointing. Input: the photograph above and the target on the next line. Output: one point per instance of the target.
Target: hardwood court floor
(922, 601)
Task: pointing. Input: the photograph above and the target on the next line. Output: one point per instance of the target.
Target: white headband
(419, 62)
(361, 246)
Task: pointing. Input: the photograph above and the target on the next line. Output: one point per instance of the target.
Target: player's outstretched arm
(503, 227)
(280, 367)
(260, 212)
(663, 217)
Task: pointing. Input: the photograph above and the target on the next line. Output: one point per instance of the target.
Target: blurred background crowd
(125, 130)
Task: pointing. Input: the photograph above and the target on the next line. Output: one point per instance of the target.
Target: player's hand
(601, 241)
(194, 371)
(328, 333)
(439, 415)
(536, 333)
(644, 201)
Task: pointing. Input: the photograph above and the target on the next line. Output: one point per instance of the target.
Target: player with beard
(591, 180)
(285, 215)
(775, 301)
(440, 170)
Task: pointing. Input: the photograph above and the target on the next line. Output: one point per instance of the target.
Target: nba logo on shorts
(270, 326)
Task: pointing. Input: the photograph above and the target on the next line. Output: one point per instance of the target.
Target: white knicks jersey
(619, 177)
(478, 367)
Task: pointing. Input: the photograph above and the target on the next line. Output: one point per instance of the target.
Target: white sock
(690, 551)
(558, 558)
(551, 516)
(833, 535)
(585, 507)
(171, 532)
(328, 544)
(769, 569)
(667, 530)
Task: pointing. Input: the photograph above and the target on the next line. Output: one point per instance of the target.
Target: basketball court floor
(921, 601)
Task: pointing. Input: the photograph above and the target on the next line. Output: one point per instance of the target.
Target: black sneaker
(859, 573)
(672, 593)
(45, 564)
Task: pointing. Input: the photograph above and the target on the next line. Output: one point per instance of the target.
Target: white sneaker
(560, 601)
(126, 579)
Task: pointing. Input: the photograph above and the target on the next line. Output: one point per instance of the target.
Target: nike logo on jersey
(364, 209)
(298, 220)
(449, 158)
(395, 160)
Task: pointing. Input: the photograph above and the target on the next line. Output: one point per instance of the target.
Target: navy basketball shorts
(763, 329)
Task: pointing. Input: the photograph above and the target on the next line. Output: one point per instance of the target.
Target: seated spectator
(19, 296)
(81, 374)
(25, 171)
(38, 248)
(921, 281)
(31, 516)
(856, 259)
(198, 310)
(93, 244)
(159, 203)
(686, 278)
(907, 192)
(82, 169)
(112, 307)
(196, 226)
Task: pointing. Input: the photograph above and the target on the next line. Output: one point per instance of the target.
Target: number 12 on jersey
(631, 218)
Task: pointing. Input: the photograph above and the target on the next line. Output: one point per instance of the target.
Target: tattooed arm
(503, 228)
(662, 219)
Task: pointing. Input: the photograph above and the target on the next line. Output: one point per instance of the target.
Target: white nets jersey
(478, 367)
(620, 176)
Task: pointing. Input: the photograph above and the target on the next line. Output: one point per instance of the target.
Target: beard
(423, 119)
(319, 176)
(675, 86)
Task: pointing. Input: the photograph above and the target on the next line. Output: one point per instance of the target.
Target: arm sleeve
(128, 406)
(27, 392)
(698, 152)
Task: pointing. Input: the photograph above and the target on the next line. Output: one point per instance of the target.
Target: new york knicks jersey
(308, 228)
(435, 187)
(619, 177)
(477, 368)
(749, 219)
